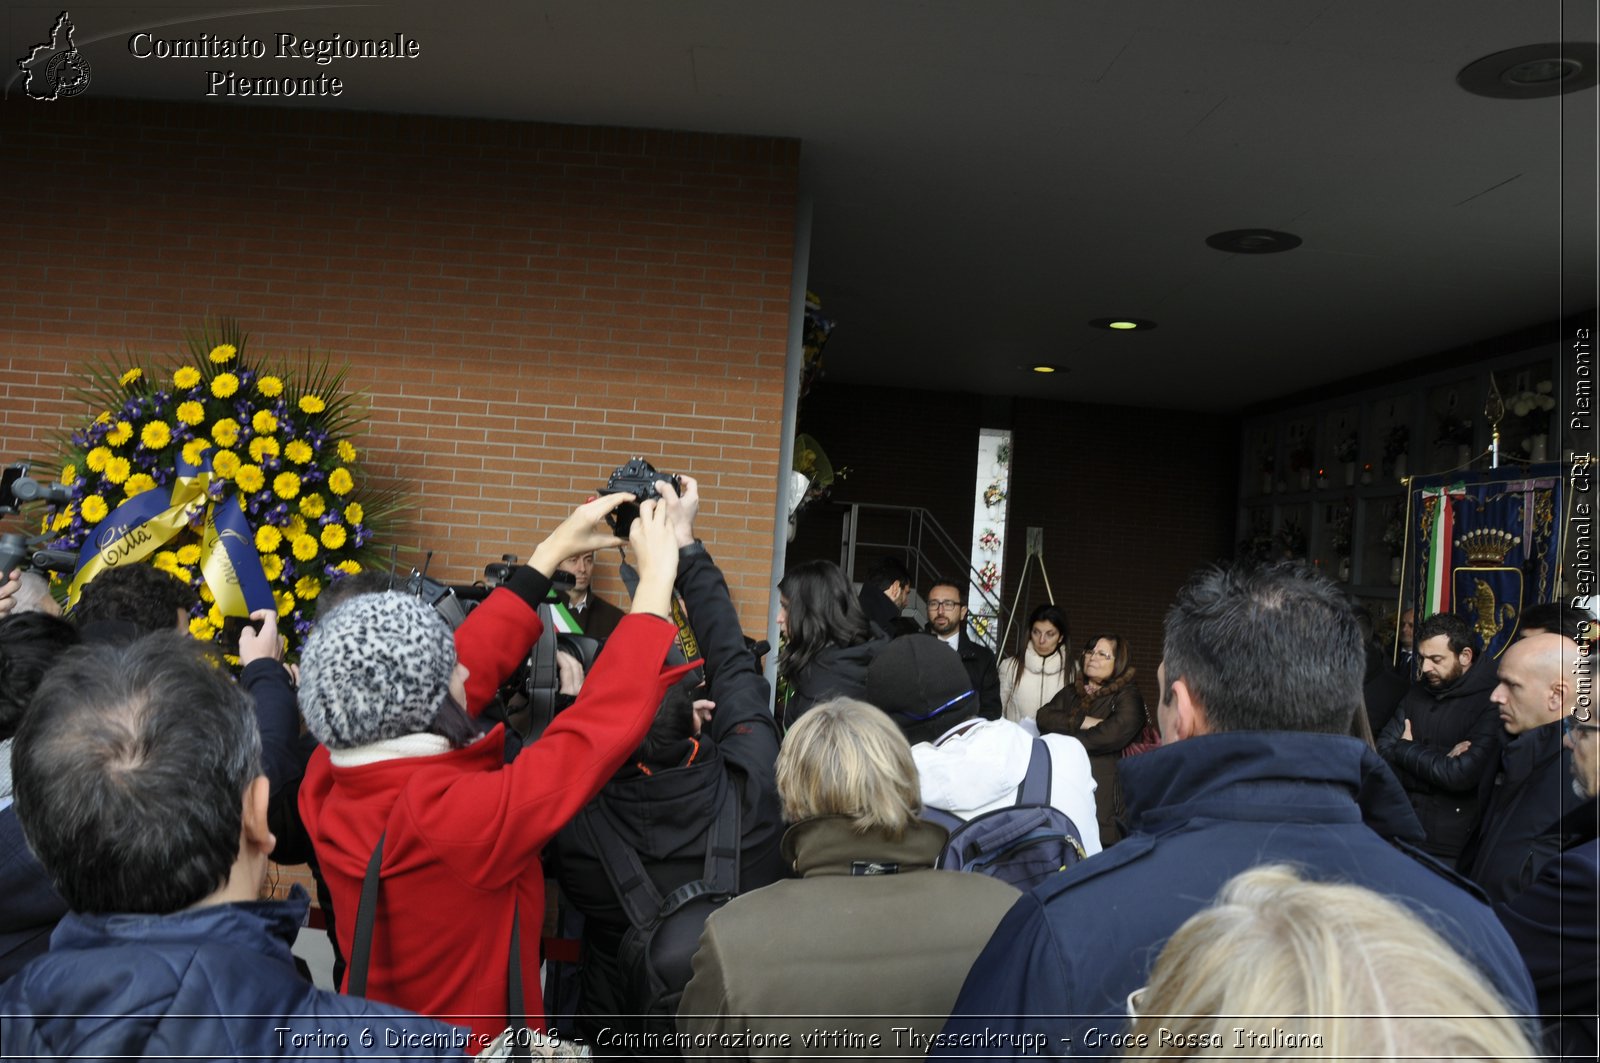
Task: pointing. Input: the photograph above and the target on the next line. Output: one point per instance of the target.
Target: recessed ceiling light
(1253, 241)
(1044, 368)
(1533, 71)
(1123, 324)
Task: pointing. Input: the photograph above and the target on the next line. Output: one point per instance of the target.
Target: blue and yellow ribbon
(149, 520)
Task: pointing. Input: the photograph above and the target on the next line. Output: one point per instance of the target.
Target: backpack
(654, 959)
(1023, 843)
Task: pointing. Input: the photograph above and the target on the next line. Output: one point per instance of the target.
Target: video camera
(16, 550)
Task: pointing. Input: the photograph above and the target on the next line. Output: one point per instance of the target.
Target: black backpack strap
(366, 915)
(544, 675)
(636, 893)
(722, 843)
(1035, 788)
(516, 1010)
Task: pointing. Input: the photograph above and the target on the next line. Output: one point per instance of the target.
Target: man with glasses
(1553, 921)
(1527, 794)
(947, 621)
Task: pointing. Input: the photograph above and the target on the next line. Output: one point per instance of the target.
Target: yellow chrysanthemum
(347, 451)
(94, 509)
(69, 474)
(286, 485)
(298, 451)
(200, 628)
(313, 506)
(189, 555)
(270, 386)
(195, 450)
(340, 481)
(353, 513)
(97, 458)
(349, 568)
(226, 464)
(120, 434)
(272, 566)
(223, 352)
(62, 519)
(312, 404)
(191, 413)
(268, 539)
(165, 560)
(118, 470)
(285, 600)
(305, 548)
(250, 478)
(131, 376)
(295, 528)
(138, 484)
(214, 614)
(223, 385)
(206, 595)
(103, 417)
(262, 448)
(183, 573)
(155, 435)
(333, 536)
(225, 432)
(307, 588)
(186, 377)
(264, 422)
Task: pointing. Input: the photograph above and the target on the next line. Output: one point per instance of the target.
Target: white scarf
(411, 745)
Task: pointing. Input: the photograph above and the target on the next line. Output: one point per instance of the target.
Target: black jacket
(1444, 789)
(836, 672)
(1523, 802)
(1553, 923)
(879, 609)
(664, 816)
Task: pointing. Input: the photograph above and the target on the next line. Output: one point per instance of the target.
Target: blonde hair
(1284, 967)
(847, 758)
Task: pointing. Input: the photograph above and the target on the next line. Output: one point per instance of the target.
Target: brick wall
(523, 306)
(1131, 500)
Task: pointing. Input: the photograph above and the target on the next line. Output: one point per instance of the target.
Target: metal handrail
(922, 528)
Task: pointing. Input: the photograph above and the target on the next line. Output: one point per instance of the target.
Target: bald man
(1528, 795)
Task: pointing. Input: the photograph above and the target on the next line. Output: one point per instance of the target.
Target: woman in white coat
(1028, 681)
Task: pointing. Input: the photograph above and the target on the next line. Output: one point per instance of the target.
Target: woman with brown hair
(1103, 709)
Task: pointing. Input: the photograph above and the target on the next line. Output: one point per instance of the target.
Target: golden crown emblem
(1488, 546)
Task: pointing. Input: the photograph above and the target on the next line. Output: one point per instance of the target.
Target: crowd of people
(1295, 850)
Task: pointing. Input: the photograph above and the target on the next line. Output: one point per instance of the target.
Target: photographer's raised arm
(496, 637)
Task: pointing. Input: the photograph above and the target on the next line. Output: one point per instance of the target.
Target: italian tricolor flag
(1441, 548)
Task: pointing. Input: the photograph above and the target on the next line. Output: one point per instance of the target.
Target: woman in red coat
(382, 691)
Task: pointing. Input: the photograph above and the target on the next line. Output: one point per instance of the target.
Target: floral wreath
(238, 478)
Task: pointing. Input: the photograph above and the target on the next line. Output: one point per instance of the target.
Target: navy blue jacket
(1524, 801)
(207, 983)
(1065, 958)
(1554, 923)
(32, 907)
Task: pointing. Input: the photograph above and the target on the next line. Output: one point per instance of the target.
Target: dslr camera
(637, 478)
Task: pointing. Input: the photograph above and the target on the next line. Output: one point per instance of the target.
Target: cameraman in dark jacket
(663, 803)
(1446, 734)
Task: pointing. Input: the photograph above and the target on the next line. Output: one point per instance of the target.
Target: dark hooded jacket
(1200, 811)
(1444, 789)
(663, 814)
(835, 672)
(217, 982)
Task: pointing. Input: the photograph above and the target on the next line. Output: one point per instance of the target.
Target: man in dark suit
(884, 593)
(947, 619)
(1553, 921)
(597, 617)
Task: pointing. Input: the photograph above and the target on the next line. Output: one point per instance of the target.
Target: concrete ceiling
(986, 177)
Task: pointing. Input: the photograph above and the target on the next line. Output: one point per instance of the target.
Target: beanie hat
(918, 678)
(377, 667)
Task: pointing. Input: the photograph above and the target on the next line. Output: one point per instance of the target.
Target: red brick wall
(523, 306)
(1131, 500)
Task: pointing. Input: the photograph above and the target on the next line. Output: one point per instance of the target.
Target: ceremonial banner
(1485, 546)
